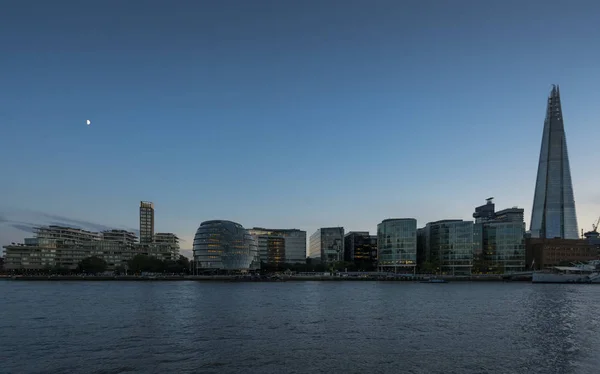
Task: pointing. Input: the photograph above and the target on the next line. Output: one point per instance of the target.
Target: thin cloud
(26, 220)
(23, 227)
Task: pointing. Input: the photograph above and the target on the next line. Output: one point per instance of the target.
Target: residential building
(553, 214)
(146, 222)
(65, 247)
(294, 244)
(449, 246)
(221, 245)
(327, 245)
(128, 238)
(360, 248)
(165, 246)
(397, 245)
(116, 248)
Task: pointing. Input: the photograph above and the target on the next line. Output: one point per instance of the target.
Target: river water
(298, 327)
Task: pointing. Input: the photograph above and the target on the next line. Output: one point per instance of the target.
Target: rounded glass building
(224, 245)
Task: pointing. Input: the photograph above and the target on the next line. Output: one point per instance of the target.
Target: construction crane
(595, 226)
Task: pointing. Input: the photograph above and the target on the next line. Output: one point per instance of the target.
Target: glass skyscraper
(553, 214)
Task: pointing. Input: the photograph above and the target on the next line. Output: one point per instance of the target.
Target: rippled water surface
(298, 327)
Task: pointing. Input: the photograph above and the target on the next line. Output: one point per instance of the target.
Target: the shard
(553, 214)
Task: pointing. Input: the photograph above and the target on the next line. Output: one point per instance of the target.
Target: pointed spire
(554, 187)
(554, 94)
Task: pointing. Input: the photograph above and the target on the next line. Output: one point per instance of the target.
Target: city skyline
(268, 123)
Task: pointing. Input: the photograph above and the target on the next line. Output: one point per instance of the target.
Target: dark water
(303, 327)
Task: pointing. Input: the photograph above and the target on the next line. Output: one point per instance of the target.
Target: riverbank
(291, 278)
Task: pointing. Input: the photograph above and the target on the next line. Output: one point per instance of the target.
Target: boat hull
(564, 278)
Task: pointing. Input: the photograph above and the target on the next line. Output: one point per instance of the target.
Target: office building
(146, 222)
(327, 245)
(513, 214)
(422, 251)
(360, 248)
(294, 244)
(499, 240)
(553, 214)
(543, 253)
(485, 212)
(448, 246)
(271, 249)
(397, 245)
(221, 245)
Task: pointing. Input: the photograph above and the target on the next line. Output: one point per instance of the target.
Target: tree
(92, 265)
(142, 263)
(427, 267)
(57, 269)
(181, 265)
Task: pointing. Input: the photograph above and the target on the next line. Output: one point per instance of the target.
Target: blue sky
(298, 114)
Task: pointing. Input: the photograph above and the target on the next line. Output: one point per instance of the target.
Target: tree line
(317, 266)
(138, 264)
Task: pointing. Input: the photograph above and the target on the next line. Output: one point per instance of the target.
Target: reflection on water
(560, 317)
(317, 327)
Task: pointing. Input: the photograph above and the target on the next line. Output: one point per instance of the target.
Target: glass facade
(360, 248)
(553, 214)
(499, 242)
(450, 246)
(327, 245)
(295, 243)
(271, 249)
(504, 246)
(397, 245)
(225, 245)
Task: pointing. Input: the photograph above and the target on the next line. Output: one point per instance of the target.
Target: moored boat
(435, 280)
(578, 273)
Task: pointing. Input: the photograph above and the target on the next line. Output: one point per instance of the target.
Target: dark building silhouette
(146, 222)
(360, 248)
(485, 212)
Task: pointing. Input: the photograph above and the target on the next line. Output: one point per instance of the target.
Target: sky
(288, 114)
